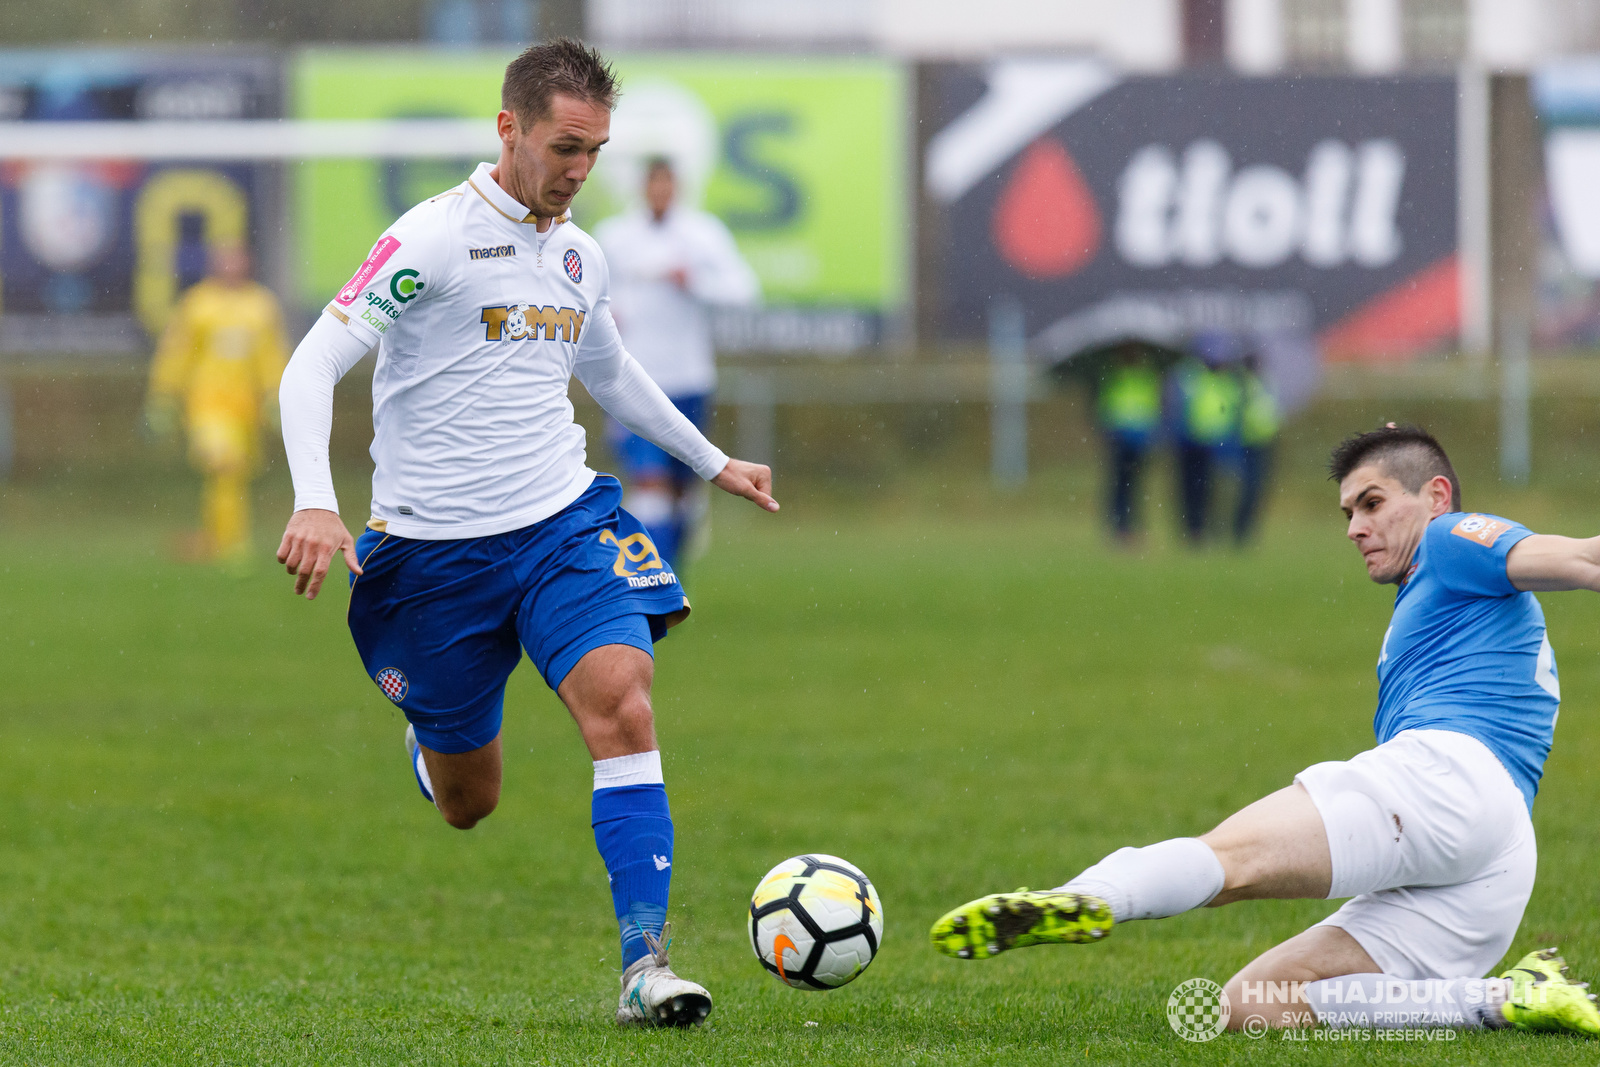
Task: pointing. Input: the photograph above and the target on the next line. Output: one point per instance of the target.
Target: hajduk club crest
(393, 684)
(574, 264)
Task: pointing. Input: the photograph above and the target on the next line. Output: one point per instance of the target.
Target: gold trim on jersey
(381, 525)
(529, 217)
(336, 313)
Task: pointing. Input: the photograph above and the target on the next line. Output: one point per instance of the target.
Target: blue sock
(633, 831)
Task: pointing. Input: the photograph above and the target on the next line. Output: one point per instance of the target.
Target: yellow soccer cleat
(1544, 998)
(990, 925)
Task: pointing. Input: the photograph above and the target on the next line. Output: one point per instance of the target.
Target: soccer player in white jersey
(1428, 834)
(670, 265)
(488, 534)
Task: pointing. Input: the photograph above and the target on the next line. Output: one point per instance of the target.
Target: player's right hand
(309, 543)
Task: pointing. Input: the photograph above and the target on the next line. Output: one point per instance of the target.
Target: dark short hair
(655, 163)
(1408, 454)
(563, 66)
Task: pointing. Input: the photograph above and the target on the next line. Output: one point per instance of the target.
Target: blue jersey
(1466, 651)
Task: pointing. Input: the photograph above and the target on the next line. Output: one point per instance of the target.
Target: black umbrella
(1091, 365)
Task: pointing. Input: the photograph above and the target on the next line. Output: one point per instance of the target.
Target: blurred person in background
(1128, 409)
(1203, 406)
(216, 374)
(1257, 430)
(670, 265)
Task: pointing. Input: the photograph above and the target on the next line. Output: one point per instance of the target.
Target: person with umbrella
(1204, 409)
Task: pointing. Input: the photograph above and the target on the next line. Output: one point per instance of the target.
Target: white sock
(641, 768)
(1167, 878)
(1382, 1002)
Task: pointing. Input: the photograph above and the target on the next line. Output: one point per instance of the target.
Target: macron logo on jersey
(381, 252)
(518, 322)
(1482, 529)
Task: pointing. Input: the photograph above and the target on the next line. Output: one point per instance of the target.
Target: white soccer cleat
(653, 996)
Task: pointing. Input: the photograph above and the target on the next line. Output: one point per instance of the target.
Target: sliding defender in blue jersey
(1428, 835)
(489, 533)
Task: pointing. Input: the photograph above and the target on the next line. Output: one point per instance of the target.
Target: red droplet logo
(1045, 221)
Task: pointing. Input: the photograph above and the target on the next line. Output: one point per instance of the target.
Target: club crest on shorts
(393, 684)
(574, 264)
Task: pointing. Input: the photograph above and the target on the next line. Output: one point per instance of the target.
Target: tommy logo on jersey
(379, 255)
(1481, 528)
(393, 684)
(574, 264)
(518, 322)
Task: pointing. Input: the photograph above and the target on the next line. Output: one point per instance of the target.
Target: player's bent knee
(464, 814)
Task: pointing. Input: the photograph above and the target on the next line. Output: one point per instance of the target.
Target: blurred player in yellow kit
(217, 369)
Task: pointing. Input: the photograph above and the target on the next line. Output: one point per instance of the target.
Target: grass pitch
(214, 852)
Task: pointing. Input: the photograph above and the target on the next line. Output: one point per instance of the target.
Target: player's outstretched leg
(1542, 997)
(1163, 879)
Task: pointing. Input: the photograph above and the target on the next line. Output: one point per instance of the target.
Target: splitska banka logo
(518, 322)
(636, 553)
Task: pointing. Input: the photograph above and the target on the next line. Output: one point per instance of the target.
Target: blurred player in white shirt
(670, 266)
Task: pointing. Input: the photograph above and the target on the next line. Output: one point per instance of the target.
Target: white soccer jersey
(480, 319)
(667, 327)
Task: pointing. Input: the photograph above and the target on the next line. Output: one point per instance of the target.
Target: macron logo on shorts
(380, 255)
(1482, 529)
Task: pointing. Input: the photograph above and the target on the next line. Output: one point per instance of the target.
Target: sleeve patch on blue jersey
(1482, 529)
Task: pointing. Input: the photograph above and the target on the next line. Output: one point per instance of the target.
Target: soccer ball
(815, 922)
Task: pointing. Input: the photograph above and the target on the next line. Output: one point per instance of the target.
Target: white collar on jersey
(503, 201)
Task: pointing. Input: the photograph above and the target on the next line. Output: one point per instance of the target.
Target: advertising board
(802, 157)
(1308, 212)
(93, 254)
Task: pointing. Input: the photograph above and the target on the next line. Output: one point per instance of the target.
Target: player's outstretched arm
(1546, 563)
(311, 540)
(753, 481)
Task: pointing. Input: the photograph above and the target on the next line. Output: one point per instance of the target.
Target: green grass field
(214, 852)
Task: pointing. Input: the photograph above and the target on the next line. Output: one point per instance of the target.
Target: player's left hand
(753, 481)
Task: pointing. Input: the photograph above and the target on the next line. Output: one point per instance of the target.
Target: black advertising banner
(93, 254)
(1306, 210)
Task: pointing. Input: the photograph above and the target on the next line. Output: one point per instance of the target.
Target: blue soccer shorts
(440, 625)
(639, 458)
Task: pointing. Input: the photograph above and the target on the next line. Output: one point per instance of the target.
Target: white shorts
(1432, 840)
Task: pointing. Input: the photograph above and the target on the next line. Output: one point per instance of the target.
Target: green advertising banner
(804, 158)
